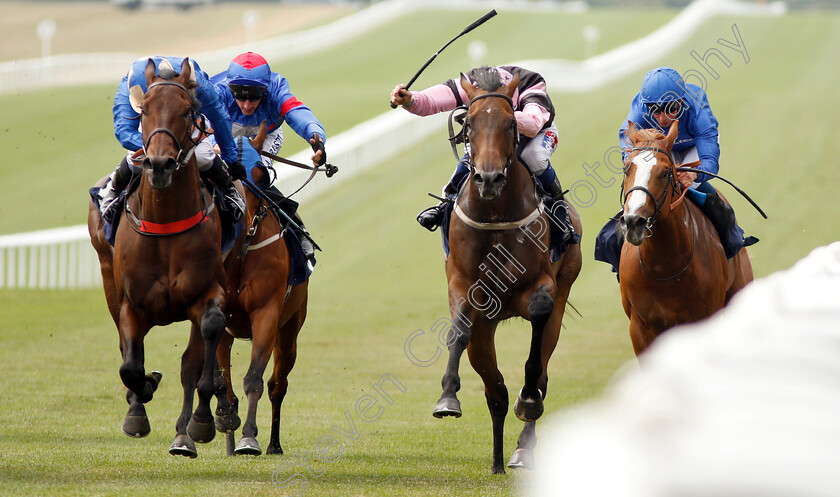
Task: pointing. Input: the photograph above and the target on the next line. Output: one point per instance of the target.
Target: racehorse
(166, 264)
(264, 308)
(673, 269)
(496, 270)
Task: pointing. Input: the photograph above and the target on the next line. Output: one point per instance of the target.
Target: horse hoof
(521, 458)
(274, 450)
(528, 409)
(183, 446)
(248, 446)
(497, 469)
(449, 406)
(136, 426)
(155, 376)
(228, 423)
(201, 432)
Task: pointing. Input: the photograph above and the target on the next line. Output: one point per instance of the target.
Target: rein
(328, 169)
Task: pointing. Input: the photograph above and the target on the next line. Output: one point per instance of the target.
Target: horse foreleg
(641, 334)
(457, 340)
(212, 325)
(529, 404)
(285, 355)
(264, 324)
(141, 386)
(191, 364)
(482, 354)
(523, 455)
(227, 417)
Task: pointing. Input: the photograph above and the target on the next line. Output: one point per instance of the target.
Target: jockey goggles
(672, 107)
(250, 93)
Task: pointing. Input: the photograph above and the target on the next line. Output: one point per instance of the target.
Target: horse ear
(673, 132)
(631, 127)
(511, 87)
(468, 87)
(257, 141)
(150, 73)
(186, 73)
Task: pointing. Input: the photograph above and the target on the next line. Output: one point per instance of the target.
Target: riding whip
(466, 30)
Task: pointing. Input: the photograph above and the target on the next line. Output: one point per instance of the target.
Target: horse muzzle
(159, 170)
(489, 184)
(633, 226)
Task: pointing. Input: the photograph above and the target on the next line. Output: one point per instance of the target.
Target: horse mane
(486, 78)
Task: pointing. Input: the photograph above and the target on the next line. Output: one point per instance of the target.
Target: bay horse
(496, 207)
(166, 263)
(264, 308)
(673, 269)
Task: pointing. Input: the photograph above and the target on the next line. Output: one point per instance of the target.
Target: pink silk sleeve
(531, 119)
(438, 98)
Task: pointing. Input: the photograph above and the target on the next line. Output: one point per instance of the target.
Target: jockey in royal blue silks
(251, 93)
(127, 102)
(664, 98)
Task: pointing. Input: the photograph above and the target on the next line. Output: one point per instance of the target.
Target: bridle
(463, 135)
(185, 152)
(658, 203)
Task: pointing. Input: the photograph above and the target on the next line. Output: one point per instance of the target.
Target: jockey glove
(237, 170)
(319, 145)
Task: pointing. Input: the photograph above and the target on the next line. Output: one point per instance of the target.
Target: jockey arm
(440, 98)
(708, 149)
(212, 107)
(300, 118)
(126, 121)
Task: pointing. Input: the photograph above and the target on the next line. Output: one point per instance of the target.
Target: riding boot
(551, 184)
(219, 175)
(432, 217)
(305, 240)
(110, 193)
(720, 214)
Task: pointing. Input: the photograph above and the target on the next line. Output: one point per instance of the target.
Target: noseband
(182, 158)
(464, 134)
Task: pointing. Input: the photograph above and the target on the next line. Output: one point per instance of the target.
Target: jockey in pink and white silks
(251, 94)
(534, 115)
(126, 111)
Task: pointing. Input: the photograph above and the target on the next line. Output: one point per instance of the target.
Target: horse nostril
(499, 178)
(478, 178)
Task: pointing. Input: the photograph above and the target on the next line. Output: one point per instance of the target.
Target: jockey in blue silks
(127, 102)
(251, 93)
(664, 98)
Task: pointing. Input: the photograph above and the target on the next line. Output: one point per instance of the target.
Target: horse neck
(181, 200)
(516, 200)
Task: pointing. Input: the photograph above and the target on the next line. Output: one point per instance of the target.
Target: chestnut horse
(494, 213)
(166, 264)
(263, 308)
(673, 269)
